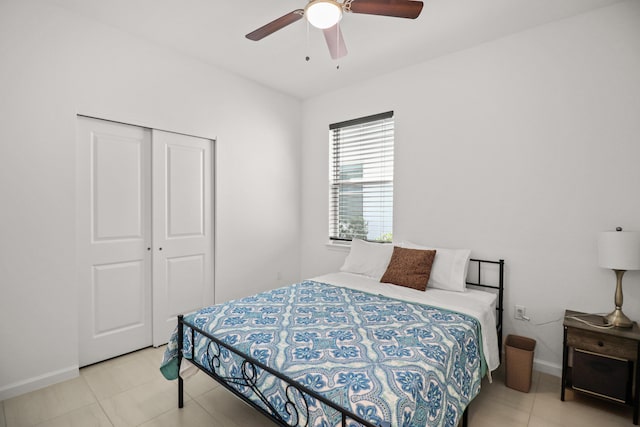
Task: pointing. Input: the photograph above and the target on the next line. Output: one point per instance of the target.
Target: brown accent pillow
(409, 267)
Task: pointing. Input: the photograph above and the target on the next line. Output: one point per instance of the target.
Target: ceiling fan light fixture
(323, 13)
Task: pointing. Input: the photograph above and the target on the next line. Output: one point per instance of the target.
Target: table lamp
(620, 251)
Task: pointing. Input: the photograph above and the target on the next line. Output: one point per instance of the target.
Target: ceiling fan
(326, 14)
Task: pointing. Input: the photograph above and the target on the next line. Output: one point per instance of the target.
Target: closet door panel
(186, 283)
(185, 192)
(117, 196)
(113, 234)
(120, 285)
(182, 228)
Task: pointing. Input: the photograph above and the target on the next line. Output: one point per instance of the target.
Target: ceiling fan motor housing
(323, 13)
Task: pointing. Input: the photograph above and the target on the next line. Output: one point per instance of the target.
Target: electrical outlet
(520, 312)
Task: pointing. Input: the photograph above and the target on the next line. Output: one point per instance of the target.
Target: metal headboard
(499, 287)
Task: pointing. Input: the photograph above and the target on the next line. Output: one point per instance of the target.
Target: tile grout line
(152, 364)
(535, 396)
(97, 401)
(159, 415)
(193, 398)
(49, 419)
(148, 360)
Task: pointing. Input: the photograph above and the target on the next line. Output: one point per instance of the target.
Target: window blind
(361, 181)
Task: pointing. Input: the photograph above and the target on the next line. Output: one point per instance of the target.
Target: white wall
(522, 148)
(54, 65)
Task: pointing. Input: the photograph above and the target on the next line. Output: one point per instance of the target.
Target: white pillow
(370, 259)
(449, 269)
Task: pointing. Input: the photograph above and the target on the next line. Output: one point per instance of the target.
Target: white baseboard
(35, 383)
(547, 368)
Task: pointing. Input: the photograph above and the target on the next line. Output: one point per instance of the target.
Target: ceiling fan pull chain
(338, 43)
(307, 58)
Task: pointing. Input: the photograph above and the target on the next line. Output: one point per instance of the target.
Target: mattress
(476, 303)
(384, 352)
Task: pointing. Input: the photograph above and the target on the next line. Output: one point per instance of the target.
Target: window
(361, 180)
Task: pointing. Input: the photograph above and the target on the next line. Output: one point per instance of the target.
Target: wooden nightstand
(601, 362)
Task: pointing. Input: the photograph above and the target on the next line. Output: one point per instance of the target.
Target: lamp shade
(619, 250)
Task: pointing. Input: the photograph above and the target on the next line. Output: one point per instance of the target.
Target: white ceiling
(213, 31)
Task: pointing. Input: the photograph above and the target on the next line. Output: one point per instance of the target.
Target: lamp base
(618, 319)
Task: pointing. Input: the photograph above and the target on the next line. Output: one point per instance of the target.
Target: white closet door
(114, 234)
(182, 228)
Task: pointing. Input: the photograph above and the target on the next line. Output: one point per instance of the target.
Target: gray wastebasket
(518, 358)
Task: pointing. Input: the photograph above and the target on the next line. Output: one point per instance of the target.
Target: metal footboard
(294, 410)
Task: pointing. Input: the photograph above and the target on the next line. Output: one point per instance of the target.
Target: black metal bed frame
(292, 414)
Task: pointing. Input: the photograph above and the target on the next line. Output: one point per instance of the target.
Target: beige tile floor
(129, 391)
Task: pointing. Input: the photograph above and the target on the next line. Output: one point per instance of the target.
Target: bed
(345, 349)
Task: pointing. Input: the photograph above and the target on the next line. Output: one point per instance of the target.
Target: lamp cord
(586, 322)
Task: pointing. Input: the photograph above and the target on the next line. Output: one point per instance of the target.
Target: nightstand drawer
(602, 362)
(603, 376)
(603, 344)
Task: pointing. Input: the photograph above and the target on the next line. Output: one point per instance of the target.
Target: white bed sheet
(478, 304)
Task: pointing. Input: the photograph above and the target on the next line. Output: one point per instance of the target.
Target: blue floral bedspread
(385, 360)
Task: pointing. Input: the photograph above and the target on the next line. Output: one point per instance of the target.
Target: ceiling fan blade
(275, 25)
(335, 41)
(398, 8)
